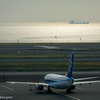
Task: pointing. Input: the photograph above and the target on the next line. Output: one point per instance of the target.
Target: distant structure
(78, 22)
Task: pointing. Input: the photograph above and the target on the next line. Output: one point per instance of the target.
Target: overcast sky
(49, 10)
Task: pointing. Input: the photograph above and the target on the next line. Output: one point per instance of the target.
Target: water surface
(49, 32)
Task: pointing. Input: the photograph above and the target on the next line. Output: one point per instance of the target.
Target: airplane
(59, 81)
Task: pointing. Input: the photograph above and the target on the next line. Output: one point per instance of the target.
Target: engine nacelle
(39, 87)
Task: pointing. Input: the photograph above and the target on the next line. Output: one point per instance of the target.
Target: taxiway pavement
(21, 92)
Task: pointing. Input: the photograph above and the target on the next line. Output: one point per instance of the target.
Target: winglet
(70, 70)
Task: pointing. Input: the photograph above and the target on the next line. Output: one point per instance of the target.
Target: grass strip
(43, 55)
(55, 66)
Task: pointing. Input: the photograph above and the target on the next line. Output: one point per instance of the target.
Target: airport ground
(41, 59)
(52, 57)
(21, 92)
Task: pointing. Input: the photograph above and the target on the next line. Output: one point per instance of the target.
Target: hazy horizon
(19, 11)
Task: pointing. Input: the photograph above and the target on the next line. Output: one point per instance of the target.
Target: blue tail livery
(70, 71)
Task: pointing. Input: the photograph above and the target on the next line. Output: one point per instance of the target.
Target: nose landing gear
(30, 87)
(49, 89)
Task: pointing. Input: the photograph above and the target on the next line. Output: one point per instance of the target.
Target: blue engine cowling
(39, 87)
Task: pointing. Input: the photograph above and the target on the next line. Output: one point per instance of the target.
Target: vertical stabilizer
(70, 70)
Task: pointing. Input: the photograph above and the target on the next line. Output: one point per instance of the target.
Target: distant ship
(78, 22)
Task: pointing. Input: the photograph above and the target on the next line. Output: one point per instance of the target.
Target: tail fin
(70, 70)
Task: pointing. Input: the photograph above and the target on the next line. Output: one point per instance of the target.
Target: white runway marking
(49, 47)
(7, 87)
(67, 95)
(78, 88)
(6, 97)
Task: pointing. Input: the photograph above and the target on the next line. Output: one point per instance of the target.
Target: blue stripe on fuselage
(54, 81)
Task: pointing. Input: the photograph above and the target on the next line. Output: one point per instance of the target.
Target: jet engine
(39, 87)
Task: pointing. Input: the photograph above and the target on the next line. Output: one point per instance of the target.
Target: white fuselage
(58, 81)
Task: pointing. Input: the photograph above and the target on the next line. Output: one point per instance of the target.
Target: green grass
(56, 66)
(43, 55)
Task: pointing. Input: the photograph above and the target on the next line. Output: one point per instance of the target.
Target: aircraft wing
(86, 78)
(85, 82)
(30, 83)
